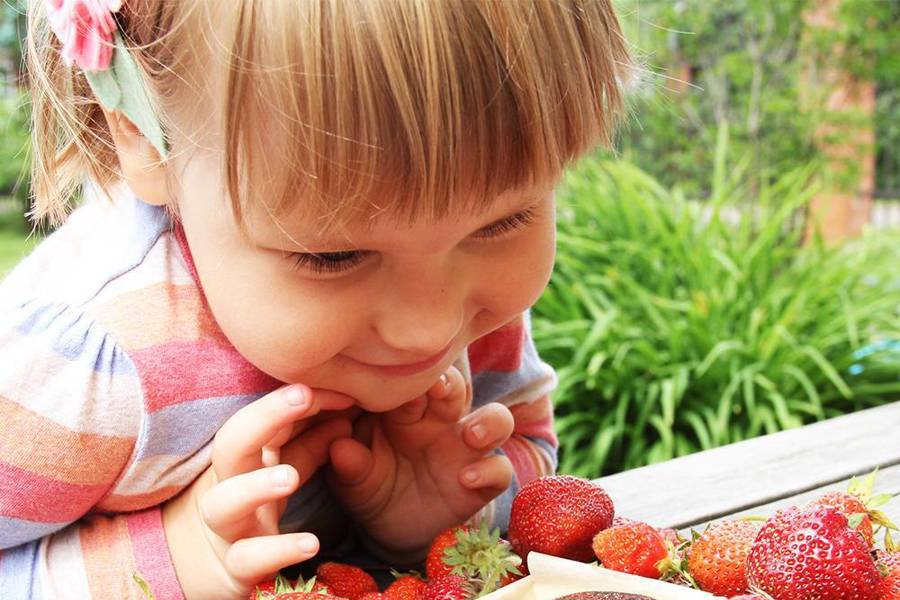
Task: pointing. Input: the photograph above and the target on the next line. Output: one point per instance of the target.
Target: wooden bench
(765, 474)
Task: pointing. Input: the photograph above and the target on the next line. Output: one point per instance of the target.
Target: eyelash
(336, 262)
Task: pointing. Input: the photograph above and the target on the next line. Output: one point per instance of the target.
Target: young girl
(296, 318)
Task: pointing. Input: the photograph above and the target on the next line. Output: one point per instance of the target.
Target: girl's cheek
(284, 326)
(512, 280)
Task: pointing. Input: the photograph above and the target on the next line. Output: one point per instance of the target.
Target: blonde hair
(408, 108)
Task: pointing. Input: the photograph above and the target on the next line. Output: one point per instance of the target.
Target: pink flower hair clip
(89, 37)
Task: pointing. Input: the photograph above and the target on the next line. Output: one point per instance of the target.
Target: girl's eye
(519, 220)
(329, 262)
(339, 262)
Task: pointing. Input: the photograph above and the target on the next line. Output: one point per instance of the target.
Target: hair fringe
(401, 108)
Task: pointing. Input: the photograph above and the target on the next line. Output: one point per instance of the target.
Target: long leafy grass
(15, 241)
(677, 327)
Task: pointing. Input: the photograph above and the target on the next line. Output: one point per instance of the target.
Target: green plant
(677, 326)
(14, 145)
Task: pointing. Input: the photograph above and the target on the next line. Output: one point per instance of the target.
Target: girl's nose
(420, 319)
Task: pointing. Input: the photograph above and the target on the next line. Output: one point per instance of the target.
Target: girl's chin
(387, 399)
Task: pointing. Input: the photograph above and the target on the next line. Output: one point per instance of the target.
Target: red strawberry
(860, 505)
(717, 559)
(406, 587)
(482, 558)
(264, 589)
(372, 596)
(306, 596)
(632, 547)
(812, 553)
(559, 515)
(889, 566)
(345, 580)
(850, 505)
(280, 588)
(434, 562)
(448, 587)
(509, 578)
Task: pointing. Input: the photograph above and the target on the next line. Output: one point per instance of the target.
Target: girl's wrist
(196, 566)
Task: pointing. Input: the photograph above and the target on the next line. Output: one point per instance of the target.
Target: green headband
(120, 87)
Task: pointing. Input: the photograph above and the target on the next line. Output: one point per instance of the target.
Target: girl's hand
(223, 530)
(404, 476)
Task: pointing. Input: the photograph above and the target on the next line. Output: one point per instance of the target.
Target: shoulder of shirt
(107, 261)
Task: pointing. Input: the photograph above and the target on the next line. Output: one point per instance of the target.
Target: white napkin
(552, 577)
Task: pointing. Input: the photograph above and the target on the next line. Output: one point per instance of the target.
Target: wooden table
(762, 475)
(757, 476)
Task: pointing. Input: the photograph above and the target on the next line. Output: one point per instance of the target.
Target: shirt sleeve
(506, 368)
(71, 414)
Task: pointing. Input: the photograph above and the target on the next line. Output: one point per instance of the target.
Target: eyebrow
(329, 246)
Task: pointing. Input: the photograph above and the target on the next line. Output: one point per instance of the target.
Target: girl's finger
(351, 461)
(368, 470)
(238, 445)
(488, 427)
(489, 477)
(230, 507)
(409, 413)
(255, 559)
(448, 401)
(310, 451)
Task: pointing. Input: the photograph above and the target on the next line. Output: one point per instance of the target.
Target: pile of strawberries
(463, 562)
(825, 550)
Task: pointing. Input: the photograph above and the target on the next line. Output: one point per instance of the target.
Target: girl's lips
(407, 369)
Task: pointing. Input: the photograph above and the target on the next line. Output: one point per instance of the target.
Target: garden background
(731, 270)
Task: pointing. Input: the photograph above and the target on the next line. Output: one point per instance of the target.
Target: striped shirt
(115, 377)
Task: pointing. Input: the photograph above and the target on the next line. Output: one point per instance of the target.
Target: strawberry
(481, 557)
(372, 596)
(406, 587)
(889, 567)
(280, 588)
(345, 580)
(559, 515)
(718, 557)
(306, 596)
(849, 505)
(860, 505)
(448, 587)
(632, 547)
(434, 561)
(812, 553)
(265, 589)
(509, 578)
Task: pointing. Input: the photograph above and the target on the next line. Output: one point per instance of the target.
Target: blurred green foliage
(747, 60)
(678, 326)
(14, 146)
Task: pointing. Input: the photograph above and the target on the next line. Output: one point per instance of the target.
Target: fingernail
(295, 396)
(281, 477)
(307, 544)
(470, 475)
(478, 431)
(445, 380)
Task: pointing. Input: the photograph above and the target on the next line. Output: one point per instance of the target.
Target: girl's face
(379, 313)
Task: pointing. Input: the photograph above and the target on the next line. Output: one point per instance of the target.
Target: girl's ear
(143, 169)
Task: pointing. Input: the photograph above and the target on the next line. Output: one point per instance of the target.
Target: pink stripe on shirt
(521, 455)
(500, 350)
(30, 487)
(151, 553)
(187, 370)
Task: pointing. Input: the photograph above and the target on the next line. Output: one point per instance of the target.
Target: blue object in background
(887, 346)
